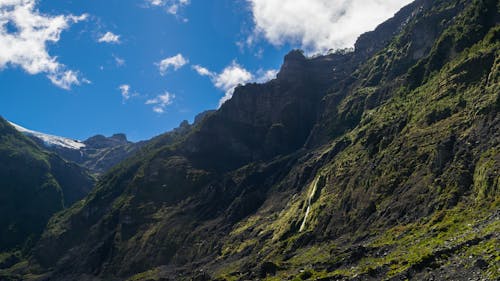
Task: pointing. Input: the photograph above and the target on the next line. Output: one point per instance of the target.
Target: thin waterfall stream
(310, 198)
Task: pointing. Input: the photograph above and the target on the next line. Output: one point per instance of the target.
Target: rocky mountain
(97, 154)
(34, 185)
(377, 164)
(102, 153)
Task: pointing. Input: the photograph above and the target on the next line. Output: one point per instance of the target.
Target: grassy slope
(34, 185)
(418, 184)
(413, 185)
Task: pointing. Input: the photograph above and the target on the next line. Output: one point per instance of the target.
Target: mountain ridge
(34, 185)
(383, 168)
(97, 154)
(50, 140)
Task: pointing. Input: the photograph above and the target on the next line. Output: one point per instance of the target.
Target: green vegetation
(34, 185)
(399, 177)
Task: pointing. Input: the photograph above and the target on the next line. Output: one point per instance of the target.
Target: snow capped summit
(98, 153)
(50, 140)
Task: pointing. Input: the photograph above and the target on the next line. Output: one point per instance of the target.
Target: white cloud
(126, 92)
(319, 25)
(109, 37)
(171, 6)
(264, 76)
(161, 101)
(26, 45)
(66, 79)
(119, 61)
(125, 89)
(203, 71)
(174, 62)
(155, 2)
(173, 9)
(232, 76)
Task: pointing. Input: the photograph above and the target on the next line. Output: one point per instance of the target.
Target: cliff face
(380, 163)
(264, 120)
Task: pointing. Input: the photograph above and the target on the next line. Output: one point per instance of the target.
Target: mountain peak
(101, 141)
(293, 65)
(97, 153)
(120, 137)
(51, 140)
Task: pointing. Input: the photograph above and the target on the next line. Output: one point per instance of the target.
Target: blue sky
(140, 67)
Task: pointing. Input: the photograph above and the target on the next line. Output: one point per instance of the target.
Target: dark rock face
(262, 121)
(371, 42)
(376, 164)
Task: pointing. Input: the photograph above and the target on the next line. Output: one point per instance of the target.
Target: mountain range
(380, 163)
(97, 154)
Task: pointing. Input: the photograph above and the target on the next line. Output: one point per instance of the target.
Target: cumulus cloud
(24, 36)
(175, 62)
(160, 102)
(171, 6)
(319, 25)
(66, 79)
(227, 80)
(109, 37)
(125, 90)
(264, 76)
(232, 76)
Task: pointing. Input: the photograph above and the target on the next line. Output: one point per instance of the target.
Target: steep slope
(98, 153)
(33, 186)
(377, 164)
(49, 140)
(102, 153)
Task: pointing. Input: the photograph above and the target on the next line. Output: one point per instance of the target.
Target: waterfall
(310, 198)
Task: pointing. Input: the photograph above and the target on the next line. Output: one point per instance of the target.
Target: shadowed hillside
(34, 185)
(377, 164)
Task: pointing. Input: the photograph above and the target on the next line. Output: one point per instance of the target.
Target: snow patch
(50, 140)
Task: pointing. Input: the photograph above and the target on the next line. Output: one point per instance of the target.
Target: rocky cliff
(376, 164)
